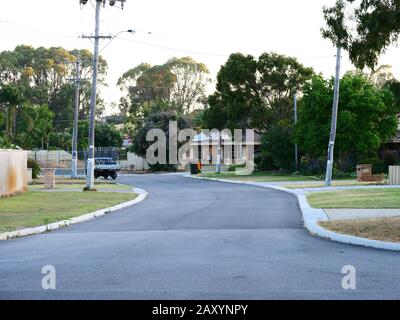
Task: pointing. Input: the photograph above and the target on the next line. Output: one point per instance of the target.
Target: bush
(277, 143)
(34, 165)
(264, 162)
(378, 166)
(309, 167)
(233, 167)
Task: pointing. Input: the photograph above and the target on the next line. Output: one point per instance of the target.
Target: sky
(208, 31)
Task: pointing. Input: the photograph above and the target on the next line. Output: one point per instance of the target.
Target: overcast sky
(207, 30)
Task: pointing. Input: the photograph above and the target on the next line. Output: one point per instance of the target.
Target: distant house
(232, 151)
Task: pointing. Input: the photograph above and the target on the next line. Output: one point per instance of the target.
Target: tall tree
(191, 79)
(368, 118)
(179, 83)
(256, 93)
(41, 75)
(11, 102)
(375, 24)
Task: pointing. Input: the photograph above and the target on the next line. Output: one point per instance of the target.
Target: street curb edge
(142, 194)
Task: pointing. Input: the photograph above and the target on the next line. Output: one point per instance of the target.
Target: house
(206, 146)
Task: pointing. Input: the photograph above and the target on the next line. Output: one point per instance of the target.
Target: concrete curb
(142, 194)
(312, 217)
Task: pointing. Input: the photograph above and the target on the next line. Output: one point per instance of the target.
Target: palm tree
(11, 101)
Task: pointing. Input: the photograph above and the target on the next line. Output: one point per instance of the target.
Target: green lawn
(261, 177)
(335, 183)
(365, 198)
(39, 208)
(101, 187)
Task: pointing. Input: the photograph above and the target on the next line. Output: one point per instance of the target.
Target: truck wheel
(105, 176)
(114, 176)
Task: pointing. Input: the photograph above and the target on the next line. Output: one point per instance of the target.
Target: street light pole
(329, 165)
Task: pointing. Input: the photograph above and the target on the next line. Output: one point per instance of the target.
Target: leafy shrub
(233, 167)
(378, 166)
(311, 167)
(34, 165)
(263, 162)
(277, 143)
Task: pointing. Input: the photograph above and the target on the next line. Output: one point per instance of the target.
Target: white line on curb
(142, 194)
(312, 217)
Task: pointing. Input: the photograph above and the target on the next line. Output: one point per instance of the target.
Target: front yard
(385, 229)
(261, 177)
(379, 198)
(37, 207)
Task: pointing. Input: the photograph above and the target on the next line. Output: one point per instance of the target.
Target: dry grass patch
(384, 229)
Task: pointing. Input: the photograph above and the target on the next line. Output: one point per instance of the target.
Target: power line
(17, 27)
(173, 49)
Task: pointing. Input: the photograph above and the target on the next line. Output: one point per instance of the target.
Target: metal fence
(61, 159)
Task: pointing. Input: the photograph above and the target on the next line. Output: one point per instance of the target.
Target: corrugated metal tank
(13, 172)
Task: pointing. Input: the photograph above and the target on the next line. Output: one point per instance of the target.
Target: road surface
(193, 239)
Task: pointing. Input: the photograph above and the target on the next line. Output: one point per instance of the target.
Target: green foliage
(161, 121)
(11, 101)
(367, 118)
(264, 162)
(106, 135)
(35, 126)
(179, 83)
(335, 20)
(34, 165)
(377, 25)
(233, 167)
(378, 165)
(312, 167)
(40, 77)
(254, 93)
(278, 145)
(61, 140)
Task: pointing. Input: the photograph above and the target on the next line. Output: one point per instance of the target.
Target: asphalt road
(193, 239)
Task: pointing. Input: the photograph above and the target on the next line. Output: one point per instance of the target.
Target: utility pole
(296, 155)
(329, 164)
(77, 82)
(93, 96)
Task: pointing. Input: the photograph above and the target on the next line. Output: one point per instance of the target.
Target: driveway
(193, 239)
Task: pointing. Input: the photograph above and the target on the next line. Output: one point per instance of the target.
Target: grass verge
(101, 187)
(384, 229)
(261, 177)
(363, 199)
(340, 183)
(37, 208)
